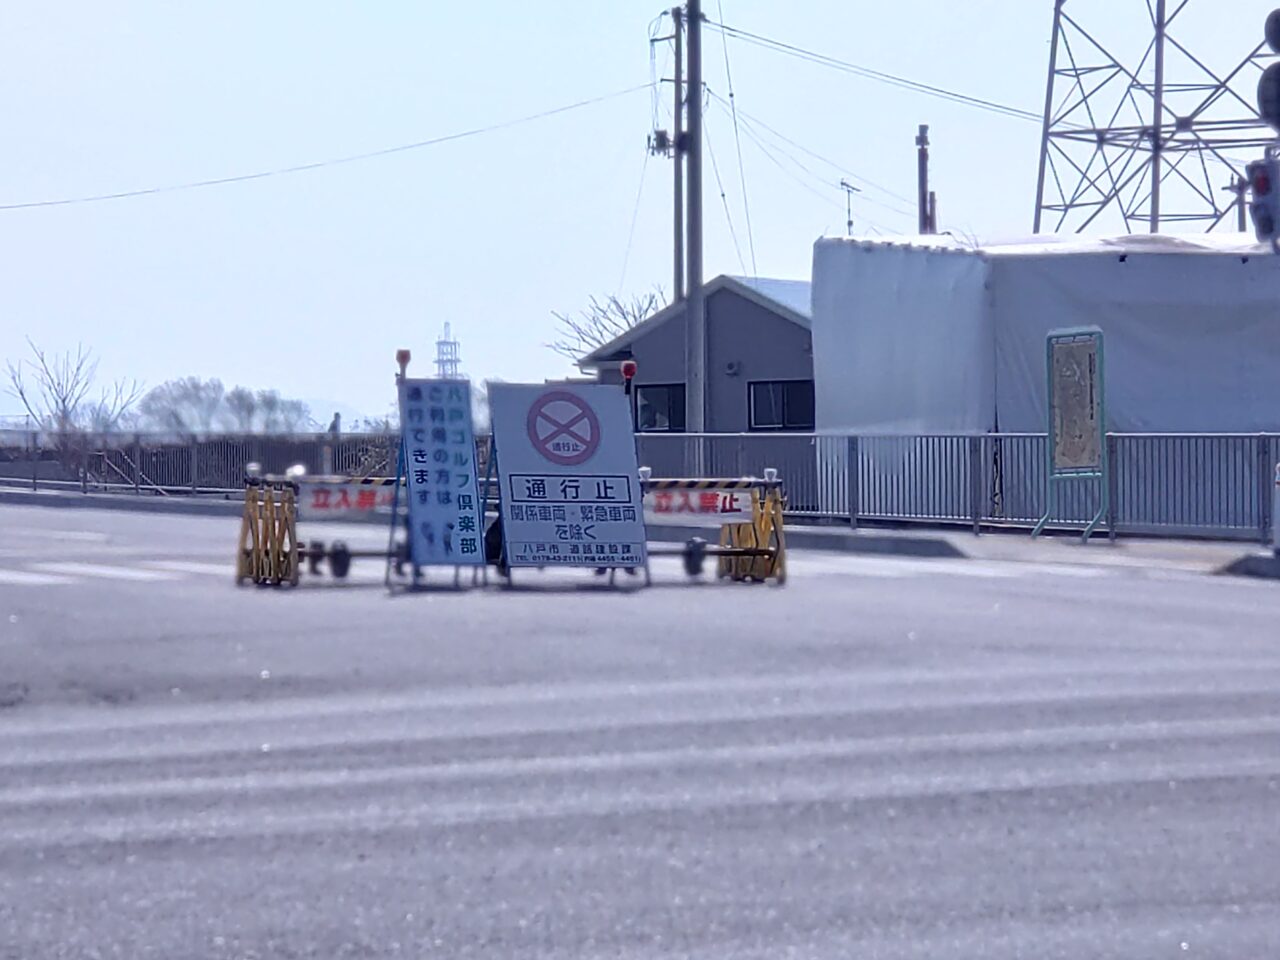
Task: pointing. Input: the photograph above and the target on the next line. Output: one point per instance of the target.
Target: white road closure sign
(440, 467)
(347, 499)
(568, 473)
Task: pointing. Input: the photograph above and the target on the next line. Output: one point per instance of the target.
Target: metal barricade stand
(270, 553)
(753, 550)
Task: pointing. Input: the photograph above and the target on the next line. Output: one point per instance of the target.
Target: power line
(823, 180)
(635, 215)
(737, 140)
(879, 75)
(336, 161)
(749, 124)
(760, 145)
(724, 200)
(783, 167)
(891, 208)
(830, 163)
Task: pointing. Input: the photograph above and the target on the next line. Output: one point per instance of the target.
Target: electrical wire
(755, 122)
(891, 208)
(839, 168)
(750, 125)
(878, 75)
(724, 200)
(737, 141)
(336, 161)
(635, 215)
(825, 198)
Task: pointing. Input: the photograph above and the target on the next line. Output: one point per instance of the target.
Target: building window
(781, 405)
(660, 408)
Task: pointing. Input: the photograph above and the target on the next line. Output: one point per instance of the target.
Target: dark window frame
(784, 426)
(684, 413)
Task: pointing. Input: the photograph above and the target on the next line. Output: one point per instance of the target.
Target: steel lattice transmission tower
(448, 356)
(1148, 141)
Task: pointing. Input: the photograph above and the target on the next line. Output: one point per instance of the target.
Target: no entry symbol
(563, 428)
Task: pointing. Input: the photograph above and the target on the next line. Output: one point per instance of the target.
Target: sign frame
(1059, 468)
(559, 451)
(422, 440)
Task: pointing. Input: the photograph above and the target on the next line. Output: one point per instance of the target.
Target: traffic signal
(1264, 205)
(1269, 82)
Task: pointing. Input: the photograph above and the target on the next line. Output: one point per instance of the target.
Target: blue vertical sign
(445, 520)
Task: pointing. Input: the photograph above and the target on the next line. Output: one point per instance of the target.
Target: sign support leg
(395, 517)
(1048, 508)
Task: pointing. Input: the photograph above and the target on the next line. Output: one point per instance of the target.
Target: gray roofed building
(760, 359)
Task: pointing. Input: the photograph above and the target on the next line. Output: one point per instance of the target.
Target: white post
(1275, 515)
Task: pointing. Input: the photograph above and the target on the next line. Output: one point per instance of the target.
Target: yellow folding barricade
(268, 547)
(752, 546)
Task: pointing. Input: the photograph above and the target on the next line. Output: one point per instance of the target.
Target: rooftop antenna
(849, 190)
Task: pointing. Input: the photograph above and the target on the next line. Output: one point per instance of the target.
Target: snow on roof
(795, 295)
(1052, 245)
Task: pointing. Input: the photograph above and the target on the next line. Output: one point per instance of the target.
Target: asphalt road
(885, 759)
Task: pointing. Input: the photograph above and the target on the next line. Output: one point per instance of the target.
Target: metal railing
(1210, 485)
(1207, 485)
(166, 465)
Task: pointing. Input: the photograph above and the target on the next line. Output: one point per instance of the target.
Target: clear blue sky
(309, 282)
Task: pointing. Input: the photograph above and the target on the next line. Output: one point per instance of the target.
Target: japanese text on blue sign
(445, 521)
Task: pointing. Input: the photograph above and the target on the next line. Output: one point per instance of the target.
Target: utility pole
(678, 149)
(849, 190)
(1157, 121)
(922, 178)
(695, 310)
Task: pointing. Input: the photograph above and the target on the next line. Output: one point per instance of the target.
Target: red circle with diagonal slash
(563, 428)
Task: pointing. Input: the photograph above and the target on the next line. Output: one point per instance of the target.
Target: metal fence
(163, 464)
(1215, 485)
(1212, 485)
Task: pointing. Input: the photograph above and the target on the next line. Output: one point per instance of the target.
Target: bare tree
(241, 409)
(113, 409)
(55, 389)
(189, 405)
(269, 407)
(294, 416)
(601, 321)
(389, 422)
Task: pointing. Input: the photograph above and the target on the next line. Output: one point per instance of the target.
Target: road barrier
(749, 512)
(345, 498)
(270, 553)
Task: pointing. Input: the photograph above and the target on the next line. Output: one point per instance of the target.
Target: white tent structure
(929, 336)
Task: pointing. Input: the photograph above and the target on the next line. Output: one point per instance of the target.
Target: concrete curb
(801, 538)
(183, 506)
(835, 541)
(1263, 566)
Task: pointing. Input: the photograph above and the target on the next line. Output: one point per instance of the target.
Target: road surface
(884, 759)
